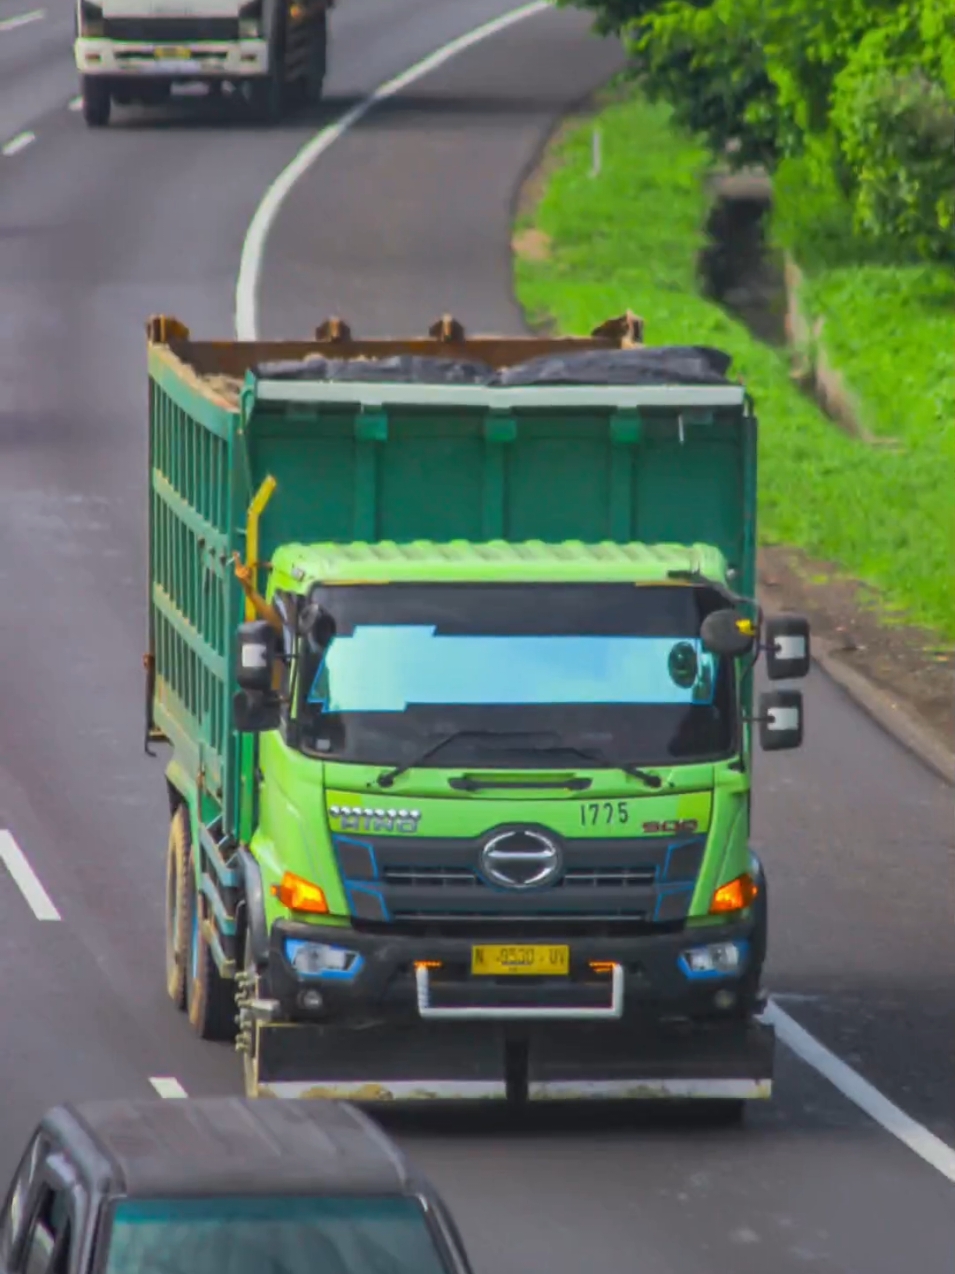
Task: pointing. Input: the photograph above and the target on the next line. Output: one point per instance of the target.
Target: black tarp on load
(646, 365)
(404, 369)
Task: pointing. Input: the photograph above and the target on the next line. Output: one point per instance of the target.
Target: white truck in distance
(127, 51)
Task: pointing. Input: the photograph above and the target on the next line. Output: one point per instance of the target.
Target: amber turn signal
(300, 895)
(735, 895)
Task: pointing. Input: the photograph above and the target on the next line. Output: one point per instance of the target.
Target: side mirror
(256, 713)
(256, 656)
(786, 644)
(728, 632)
(780, 720)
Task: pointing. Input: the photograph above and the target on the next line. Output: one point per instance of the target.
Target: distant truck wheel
(318, 66)
(210, 999)
(96, 99)
(178, 887)
(267, 98)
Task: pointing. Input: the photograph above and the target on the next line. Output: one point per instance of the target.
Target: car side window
(14, 1215)
(49, 1236)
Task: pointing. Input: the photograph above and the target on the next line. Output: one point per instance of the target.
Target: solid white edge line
(26, 879)
(167, 1086)
(22, 20)
(850, 1083)
(16, 144)
(253, 248)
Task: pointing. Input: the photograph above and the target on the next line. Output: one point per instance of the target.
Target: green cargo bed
(363, 462)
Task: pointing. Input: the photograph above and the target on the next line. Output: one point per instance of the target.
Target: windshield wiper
(595, 754)
(387, 777)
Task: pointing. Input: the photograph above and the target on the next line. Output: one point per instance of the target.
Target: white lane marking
(858, 1090)
(167, 1086)
(75, 105)
(25, 878)
(16, 144)
(22, 20)
(254, 246)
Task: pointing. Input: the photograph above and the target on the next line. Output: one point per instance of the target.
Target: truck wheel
(267, 97)
(210, 998)
(96, 101)
(178, 887)
(318, 66)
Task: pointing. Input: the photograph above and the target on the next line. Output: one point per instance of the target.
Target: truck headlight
(716, 959)
(321, 960)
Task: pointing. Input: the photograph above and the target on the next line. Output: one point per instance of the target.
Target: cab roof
(230, 1145)
(497, 561)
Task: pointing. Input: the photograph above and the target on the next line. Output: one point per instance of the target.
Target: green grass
(630, 238)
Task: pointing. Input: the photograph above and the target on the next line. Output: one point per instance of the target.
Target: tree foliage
(860, 92)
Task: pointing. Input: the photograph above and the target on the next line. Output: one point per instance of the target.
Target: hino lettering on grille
(359, 819)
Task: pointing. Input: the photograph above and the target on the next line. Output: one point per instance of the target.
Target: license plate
(534, 961)
(173, 54)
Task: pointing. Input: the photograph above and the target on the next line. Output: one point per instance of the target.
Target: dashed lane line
(26, 879)
(16, 144)
(21, 20)
(167, 1086)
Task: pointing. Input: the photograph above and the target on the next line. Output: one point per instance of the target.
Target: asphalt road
(405, 217)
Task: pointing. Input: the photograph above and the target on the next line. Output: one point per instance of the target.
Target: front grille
(420, 880)
(451, 878)
(170, 30)
(429, 878)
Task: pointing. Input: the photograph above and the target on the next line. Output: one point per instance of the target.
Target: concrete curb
(896, 720)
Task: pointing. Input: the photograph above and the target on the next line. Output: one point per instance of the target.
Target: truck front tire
(97, 101)
(210, 998)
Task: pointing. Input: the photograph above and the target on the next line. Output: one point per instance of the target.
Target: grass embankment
(630, 238)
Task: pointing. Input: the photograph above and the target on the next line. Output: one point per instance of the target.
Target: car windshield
(519, 674)
(272, 1236)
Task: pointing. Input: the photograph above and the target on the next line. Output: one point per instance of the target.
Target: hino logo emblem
(521, 859)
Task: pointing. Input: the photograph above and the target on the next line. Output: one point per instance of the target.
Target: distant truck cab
(273, 51)
(218, 1185)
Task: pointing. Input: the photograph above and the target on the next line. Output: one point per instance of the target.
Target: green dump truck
(453, 642)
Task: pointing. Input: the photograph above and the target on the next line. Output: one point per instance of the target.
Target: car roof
(231, 1145)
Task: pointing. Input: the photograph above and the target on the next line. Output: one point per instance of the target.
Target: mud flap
(602, 1062)
(467, 1062)
(383, 1063)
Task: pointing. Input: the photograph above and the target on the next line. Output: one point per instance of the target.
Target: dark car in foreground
(221, 1186)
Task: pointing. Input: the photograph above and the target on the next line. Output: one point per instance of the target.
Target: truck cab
(196, 1186)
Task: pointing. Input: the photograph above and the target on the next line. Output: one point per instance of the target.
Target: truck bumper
(128, 60)
(732, 1061)
(409, 1022)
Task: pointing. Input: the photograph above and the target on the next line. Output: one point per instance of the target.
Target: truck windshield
(272, 1236)
(616, 669)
